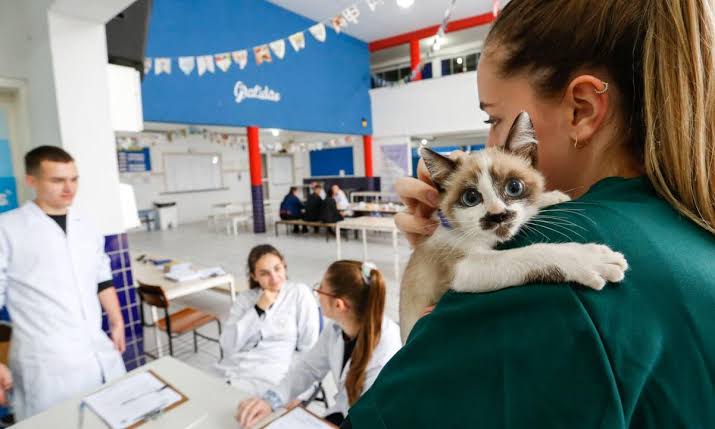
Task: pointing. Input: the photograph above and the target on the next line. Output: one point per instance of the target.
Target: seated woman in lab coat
(353, 347)
(268, 323)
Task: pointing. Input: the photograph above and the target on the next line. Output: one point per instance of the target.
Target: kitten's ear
(521, 140)
(440, 167)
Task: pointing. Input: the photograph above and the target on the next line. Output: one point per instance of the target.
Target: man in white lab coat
(53, 276)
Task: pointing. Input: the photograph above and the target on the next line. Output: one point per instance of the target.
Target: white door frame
(13, 95)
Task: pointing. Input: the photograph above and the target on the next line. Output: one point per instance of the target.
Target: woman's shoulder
(390, 340)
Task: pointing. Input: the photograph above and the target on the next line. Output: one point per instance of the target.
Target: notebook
(299, 418)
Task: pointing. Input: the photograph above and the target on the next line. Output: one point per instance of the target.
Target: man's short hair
(34, 158)
(317, 188)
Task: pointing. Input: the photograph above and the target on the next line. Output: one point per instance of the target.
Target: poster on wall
(8, 194)
(395, 164)
(134, 161)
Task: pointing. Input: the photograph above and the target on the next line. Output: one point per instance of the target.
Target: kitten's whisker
(548, 225)
(568, 222)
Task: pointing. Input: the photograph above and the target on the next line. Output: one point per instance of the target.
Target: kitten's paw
(594, 265)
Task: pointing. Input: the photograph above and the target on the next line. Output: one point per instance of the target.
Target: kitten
(485, 199)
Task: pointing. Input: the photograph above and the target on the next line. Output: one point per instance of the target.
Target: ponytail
(679, 106)
(366, 293)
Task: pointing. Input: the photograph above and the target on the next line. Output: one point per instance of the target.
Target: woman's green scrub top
(639, 354)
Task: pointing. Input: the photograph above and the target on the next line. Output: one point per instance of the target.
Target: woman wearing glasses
(353, 347)
(268, 323)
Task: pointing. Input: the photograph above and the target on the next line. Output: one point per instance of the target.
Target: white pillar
(79, 61)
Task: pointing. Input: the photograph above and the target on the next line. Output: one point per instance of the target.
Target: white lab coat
(327, 355)
(48, 281)
(258, 350)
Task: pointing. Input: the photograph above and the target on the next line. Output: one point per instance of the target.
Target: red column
(367, 146)
(254, 161)
(415, 57)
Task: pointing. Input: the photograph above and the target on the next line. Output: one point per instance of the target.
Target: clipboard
(183, 399)
(101, 414)
(316, 421)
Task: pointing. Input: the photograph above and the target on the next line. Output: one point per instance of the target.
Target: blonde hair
(660, 56)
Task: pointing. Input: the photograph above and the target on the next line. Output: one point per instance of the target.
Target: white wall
(429, 107)
(196, 206)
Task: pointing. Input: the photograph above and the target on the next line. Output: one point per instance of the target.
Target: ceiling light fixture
(460, 61)
(405, 4)
(276, 132)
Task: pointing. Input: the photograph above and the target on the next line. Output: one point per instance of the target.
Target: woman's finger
(258, 414)
(246, 411)
(412, 191)
(411, 224)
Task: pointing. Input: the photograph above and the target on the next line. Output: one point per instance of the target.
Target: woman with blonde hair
(622, 98)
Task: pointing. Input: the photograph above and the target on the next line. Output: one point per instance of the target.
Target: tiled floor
(307, 256)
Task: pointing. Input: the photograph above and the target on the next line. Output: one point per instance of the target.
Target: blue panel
(5, 159)
(323, 88)
(259, 219)
(8, 194)
(329, 162)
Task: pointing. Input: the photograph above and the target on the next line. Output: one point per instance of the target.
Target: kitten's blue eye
(514, 188)
(471, 198)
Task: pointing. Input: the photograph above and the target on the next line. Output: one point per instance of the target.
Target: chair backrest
(153, 295)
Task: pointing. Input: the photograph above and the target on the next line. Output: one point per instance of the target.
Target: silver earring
(605, 88)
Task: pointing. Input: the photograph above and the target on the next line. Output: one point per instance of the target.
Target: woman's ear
(588, 101)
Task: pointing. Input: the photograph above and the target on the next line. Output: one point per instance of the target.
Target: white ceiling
(388, 19)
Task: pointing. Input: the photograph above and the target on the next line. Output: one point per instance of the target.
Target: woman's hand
(251, 411)
(421, 198)
(267, 298)
(5, 383)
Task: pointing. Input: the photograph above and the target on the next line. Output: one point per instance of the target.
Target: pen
(143, 394)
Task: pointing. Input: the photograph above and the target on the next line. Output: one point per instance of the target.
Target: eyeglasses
(316, 291)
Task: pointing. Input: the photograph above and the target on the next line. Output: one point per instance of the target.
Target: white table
(150, 274)
(369, 223)
(211, 405)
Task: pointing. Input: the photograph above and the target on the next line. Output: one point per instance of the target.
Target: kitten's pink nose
(495, 209)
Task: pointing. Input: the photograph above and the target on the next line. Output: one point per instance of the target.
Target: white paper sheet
(298, 418)
(131, 400)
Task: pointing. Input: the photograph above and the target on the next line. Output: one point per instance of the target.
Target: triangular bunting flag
(263, 54)
(351, 14)
(205, 64)
(147, 65)
(186, 64)
(339, 23)
(297, 40)
(162, 65)
(223, 61)
(318, 31)
(372, 4)
(279, 48)
(240, 58)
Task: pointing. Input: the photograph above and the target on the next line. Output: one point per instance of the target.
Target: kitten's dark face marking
(491, 193)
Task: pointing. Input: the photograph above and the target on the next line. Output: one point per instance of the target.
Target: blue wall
(329, 162)
(324, 87)
(8, 186)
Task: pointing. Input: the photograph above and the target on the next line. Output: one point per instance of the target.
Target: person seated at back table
(292, 208)
(314, 206)
(330, 212)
